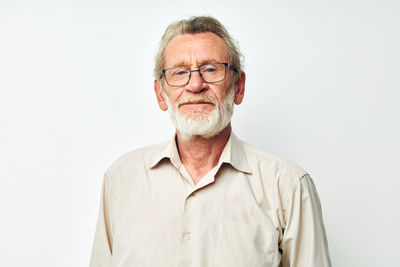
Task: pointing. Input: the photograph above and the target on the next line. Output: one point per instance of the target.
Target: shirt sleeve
(102, 246)
(304, 242)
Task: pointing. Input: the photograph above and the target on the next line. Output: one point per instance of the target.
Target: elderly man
(205, 198)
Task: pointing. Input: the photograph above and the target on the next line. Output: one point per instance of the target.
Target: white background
(77, 91)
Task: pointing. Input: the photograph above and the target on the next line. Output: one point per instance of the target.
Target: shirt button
(188, 236)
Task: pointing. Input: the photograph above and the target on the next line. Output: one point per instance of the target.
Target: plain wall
(76, 91)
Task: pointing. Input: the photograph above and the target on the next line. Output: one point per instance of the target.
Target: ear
(160, 98)
(240, 84)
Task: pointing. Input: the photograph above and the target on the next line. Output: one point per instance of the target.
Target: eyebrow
(201, 63)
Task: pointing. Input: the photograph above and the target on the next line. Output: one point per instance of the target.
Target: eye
(180, 72)
(209, 69)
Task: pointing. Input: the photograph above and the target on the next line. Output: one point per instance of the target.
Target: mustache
(187, 99)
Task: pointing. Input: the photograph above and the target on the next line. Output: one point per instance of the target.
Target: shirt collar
(233, 154)
(237, 155)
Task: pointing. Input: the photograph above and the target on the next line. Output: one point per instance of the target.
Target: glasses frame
(190, 73)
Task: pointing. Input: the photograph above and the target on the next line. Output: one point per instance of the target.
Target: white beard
(199, 123)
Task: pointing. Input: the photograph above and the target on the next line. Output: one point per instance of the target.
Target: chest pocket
(243, 245)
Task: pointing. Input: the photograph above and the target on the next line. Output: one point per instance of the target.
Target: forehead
(195, 49)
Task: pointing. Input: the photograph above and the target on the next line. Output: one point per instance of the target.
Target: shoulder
(276, 169)
(136, 159)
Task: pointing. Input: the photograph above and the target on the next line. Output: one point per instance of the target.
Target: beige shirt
(252, 210)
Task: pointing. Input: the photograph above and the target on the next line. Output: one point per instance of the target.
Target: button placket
(188, 231)
(189, 216)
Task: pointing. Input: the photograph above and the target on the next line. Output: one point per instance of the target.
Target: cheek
(173, 96)
(223, 92)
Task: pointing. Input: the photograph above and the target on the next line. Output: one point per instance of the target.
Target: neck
(199, 155)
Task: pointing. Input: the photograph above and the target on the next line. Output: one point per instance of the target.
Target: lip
(196, 103)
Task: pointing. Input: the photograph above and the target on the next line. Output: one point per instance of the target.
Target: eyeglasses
(210, 73)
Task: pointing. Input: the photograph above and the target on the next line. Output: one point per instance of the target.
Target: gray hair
(195, 25)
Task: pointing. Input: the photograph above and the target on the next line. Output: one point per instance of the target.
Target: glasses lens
(213, 72)
(177, 76)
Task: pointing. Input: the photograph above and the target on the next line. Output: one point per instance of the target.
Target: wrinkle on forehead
(184, 63)
(194, 50)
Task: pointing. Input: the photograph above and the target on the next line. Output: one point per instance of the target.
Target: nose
(196, 83)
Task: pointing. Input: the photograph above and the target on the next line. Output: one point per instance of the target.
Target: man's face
(202, 107)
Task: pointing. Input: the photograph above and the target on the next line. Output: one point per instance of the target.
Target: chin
(199, 117)
(201, 123)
